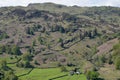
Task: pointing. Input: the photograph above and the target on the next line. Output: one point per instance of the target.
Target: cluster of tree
(3, 65)
(13, 49)
(31, 50)
(8, 75)
(81, 36)
(3, 35)
(31, 30)
(58, 28)
(5, 72)
(116, 56)
(92, 75)
(90, 34)
(25, 62)
(61, 29)
(99, 60)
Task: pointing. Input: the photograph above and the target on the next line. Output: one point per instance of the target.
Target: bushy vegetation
(116, 56)
(5, 72)
(3, 35)
(13, 49)
(92, 75)
(63, 69)
(34, 28)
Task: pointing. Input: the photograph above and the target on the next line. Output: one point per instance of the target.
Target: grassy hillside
(51, 35)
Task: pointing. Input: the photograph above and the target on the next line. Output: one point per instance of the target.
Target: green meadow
(51, 74)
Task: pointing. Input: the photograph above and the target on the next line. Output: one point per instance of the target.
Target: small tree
(117, 63)
(16, 50)
(27, 57)
(34, 43)
(10, 76)
(92, 75)
(63, 69)
(61, 29)
(90, 34)
(27, 64)
(2, 49)
(82, 36)
(8, 49)
(20, 64)
(3, 65)
(60, 40)
(41, 40)
(1, 75)
(95, 32)
(29, 30)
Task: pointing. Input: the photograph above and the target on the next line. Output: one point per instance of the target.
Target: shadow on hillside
(59, 77)
(26, 73)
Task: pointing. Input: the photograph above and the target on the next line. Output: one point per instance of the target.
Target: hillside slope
(51, 35)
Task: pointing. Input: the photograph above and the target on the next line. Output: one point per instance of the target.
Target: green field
(40, 74)
(46, 74)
